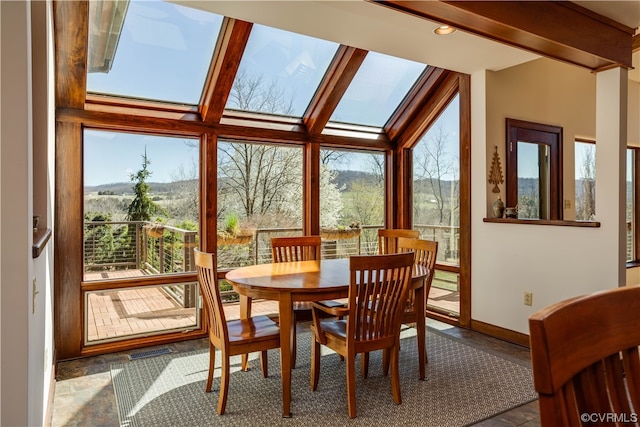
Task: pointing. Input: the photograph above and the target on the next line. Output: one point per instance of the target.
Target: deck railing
(161, 249)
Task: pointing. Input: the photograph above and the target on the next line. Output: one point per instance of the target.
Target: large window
(259, 197)
(150, 49)
(436, 204)
(534, 169)
(351, 202)
(141, 213)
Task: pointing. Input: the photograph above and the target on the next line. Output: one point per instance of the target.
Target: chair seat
(258, 327)
(337, 328)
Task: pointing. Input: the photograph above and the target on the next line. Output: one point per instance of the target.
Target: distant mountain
(120, 188)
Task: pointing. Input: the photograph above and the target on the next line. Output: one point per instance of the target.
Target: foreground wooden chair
(377, 292)
(388, 239)
(585, 359)
(232, 338)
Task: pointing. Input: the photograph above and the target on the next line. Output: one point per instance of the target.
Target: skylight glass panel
(151, 50)
(377, 89)
(279, 72)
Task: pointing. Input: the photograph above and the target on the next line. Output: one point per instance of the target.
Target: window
(351, 202)
(259, 197)
(534, 169)
(153, 50)
(585, 165)
(376, 90)
(279, 72)
(436, 204)
(141, 215)
(632, 210)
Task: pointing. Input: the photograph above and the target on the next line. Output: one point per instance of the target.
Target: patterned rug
(464, 385)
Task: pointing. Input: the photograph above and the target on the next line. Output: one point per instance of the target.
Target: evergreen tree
(142, 207)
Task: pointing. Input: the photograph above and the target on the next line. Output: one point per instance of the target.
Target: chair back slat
(388, 239)
(208, 283)
(585, 356)
(426, 252)
(297, 248)
(377, 292)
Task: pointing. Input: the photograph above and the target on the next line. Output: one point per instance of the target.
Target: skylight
(376, 90)
(279, 72)
(162, 52)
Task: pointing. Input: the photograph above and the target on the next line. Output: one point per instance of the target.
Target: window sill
(562, 223)
(40, 239)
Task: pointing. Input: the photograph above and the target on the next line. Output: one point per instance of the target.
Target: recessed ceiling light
(444, 29)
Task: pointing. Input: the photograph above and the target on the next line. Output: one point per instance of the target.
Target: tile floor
(84, 394)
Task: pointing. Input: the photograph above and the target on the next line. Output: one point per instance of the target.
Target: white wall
(508, 259)
(26, 329)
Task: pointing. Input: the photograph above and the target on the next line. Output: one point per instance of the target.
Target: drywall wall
(508, 259)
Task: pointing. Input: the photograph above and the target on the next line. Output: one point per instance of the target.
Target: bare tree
(260, 176)
(433, 164)
(250, 93)
(586, 201)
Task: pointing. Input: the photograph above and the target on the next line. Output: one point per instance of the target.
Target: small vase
(498, 208)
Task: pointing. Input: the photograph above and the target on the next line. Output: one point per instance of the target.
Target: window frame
(520, 130)
(635, 226)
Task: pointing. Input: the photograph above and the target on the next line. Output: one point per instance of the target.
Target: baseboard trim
(501, 333)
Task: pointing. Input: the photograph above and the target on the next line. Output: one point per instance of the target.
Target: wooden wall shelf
(588, 224)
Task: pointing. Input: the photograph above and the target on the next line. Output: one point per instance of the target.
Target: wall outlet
(528, 298)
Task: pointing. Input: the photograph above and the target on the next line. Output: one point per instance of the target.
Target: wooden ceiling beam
(557, 29)
(71, 28)
(635, 45)
(429, 110)
(224, 66)
(190, 125)
(406, 112)
(334, 84)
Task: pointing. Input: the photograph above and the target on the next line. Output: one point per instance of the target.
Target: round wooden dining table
(288, 282)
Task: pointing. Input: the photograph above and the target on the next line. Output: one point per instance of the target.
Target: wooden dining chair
(234, 337)
(426, 252)
(585, 358)
(388, 238)
(377, 292)
(299, 248)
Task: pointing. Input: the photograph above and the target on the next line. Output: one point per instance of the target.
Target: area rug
(464, 385)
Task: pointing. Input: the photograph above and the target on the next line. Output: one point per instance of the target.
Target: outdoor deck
(141, 311)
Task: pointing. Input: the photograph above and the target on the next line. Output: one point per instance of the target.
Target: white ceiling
(373, 27)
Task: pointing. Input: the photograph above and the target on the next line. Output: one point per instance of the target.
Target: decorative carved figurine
(495, 174)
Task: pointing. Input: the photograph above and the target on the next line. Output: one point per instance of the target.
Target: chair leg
(245, 362)
(212, 364)
(351, 385)
(264, 363)
(422, 353)
(395, 375)
(315, 363)
(364, 364)
(224, 384)
(385, 362)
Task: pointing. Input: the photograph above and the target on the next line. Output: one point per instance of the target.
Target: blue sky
(111, 157)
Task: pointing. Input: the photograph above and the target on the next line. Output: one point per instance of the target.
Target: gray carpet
(464, 385)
